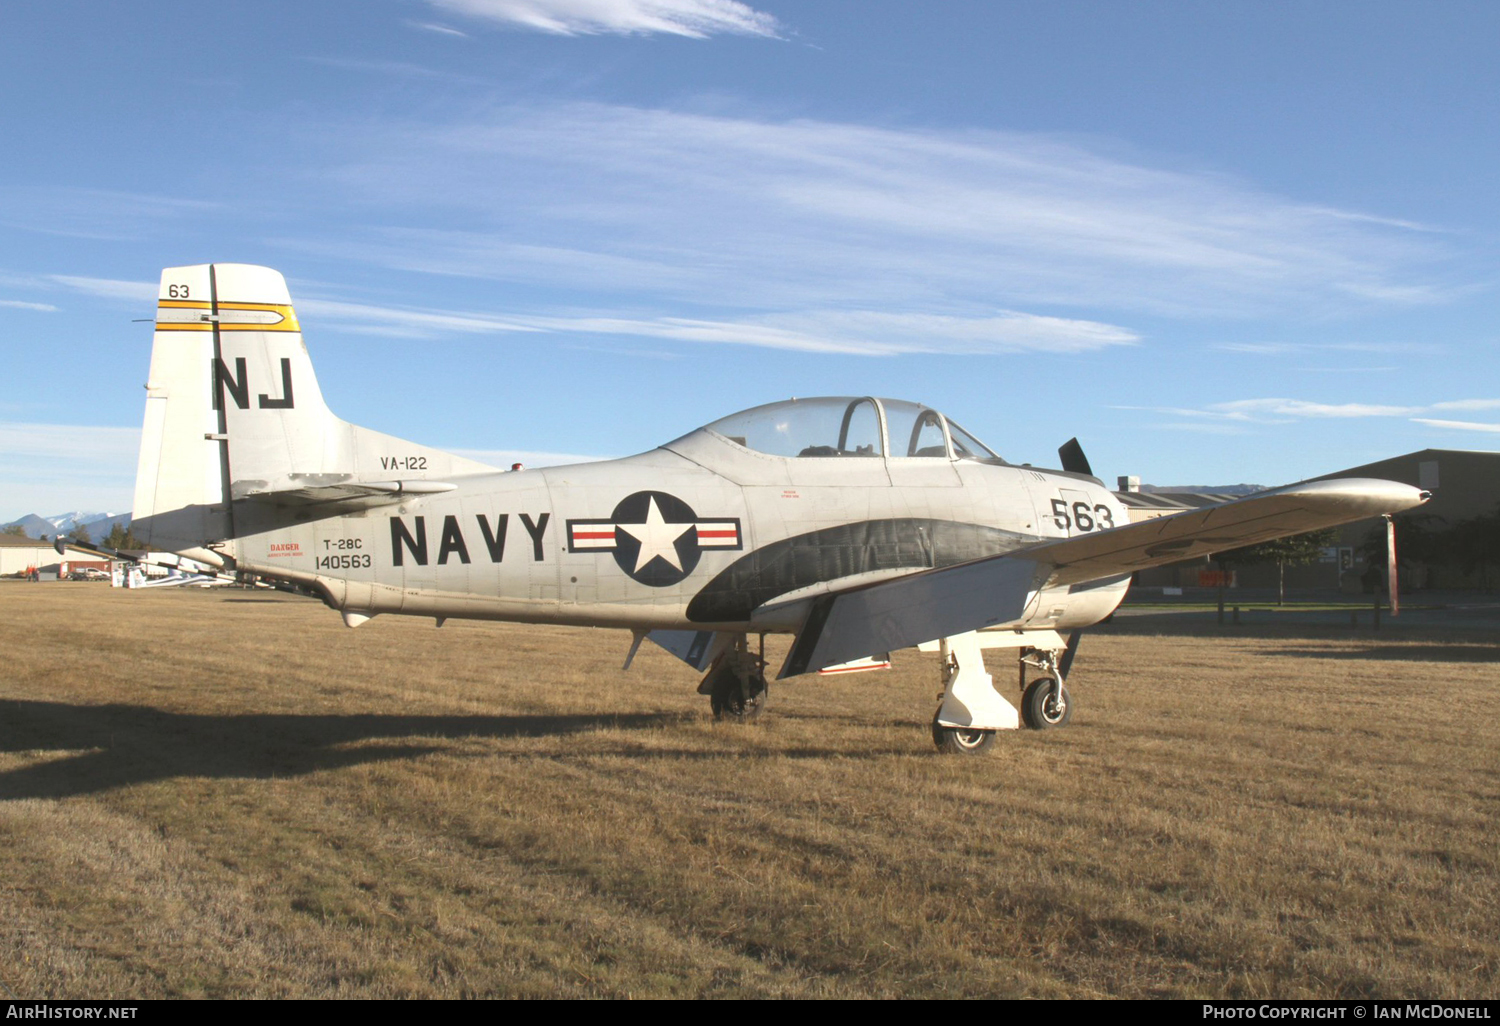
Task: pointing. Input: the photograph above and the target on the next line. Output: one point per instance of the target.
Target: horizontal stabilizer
(362, 493)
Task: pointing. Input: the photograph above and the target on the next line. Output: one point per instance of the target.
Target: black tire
(728, 701)
(961, 740)
(1040, 707)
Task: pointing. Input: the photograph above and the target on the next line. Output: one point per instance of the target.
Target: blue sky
(1219, 242)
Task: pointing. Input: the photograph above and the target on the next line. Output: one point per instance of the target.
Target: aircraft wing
(953, 600)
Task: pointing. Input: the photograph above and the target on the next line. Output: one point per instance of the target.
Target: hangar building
(1465, 484)
(17, 553)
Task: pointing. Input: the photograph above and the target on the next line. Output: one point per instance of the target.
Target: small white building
(17, 554)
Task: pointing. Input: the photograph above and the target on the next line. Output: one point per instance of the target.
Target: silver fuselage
(559, 545)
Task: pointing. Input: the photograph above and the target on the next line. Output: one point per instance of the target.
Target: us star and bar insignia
(656, 538)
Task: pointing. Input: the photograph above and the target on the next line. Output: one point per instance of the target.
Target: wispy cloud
(526, 457)
(1246, 412)
(1303, 348)
(410, 323)
(1255, 409)
(1206, 428)
(820, 236)
(56, 466)
(774, 216)
(1459, 425)
(70, 442)
(444, 30)
(104, 214)
(849, 332)
(868, 333)
(395, 69)
(20, 304)
(1466, 404)
(109, 288)
(697, 19)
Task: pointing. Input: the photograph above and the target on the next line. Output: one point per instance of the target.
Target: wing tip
(1376, 495)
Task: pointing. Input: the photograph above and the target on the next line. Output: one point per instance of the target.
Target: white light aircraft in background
(859, 525)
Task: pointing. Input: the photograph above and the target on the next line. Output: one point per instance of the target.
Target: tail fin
(234, 414)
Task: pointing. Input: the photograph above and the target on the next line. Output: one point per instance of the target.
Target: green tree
(121, 538)
(80, 534)
(1420, 538)
(1297, 550)
(1475, 545)
(15, 530)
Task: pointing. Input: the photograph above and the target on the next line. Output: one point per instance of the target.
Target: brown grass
(229, 794)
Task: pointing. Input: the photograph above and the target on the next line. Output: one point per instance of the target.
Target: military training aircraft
(859, 525)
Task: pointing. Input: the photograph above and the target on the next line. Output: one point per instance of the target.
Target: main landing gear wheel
(731, 699)
(1045, 704)
(960, 740)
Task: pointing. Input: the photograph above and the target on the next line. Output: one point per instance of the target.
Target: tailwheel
(1046, 704)
(961, 740)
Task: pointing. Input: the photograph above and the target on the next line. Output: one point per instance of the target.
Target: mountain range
(98, 524)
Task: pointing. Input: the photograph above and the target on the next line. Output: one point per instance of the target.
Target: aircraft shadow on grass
(112, 746)
(119, 745)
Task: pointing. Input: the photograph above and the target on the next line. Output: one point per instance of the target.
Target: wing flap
(895, 614)
(909, 610)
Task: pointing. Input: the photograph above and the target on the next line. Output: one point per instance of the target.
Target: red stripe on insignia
(718, 534)
(591, 535)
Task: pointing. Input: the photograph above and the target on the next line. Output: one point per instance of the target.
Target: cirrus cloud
(781, 215)
(697, 19)
(1237, 415)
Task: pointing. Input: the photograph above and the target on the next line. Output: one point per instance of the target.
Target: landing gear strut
(1046, 702)
(972, 711)
(736, 683)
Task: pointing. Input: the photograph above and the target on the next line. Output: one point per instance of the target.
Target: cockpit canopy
(851, 426)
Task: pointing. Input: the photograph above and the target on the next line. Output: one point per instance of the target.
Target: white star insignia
(657, 537)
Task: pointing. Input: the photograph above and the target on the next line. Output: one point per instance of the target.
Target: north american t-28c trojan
(859, 525)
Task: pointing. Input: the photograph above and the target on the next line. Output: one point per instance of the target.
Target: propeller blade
(1073, 459)
(1392, 574)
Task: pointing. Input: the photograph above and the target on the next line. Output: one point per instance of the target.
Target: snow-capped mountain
(98, 524)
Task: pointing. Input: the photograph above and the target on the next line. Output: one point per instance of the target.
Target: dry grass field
(228, 793)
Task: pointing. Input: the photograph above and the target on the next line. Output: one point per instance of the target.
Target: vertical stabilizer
(234, 414)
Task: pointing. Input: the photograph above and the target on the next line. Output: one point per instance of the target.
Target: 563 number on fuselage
(1080, 516)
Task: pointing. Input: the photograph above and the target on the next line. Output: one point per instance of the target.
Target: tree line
(1468, 548)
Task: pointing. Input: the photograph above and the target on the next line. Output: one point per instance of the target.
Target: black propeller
(1073, 459)
(1066, 662)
